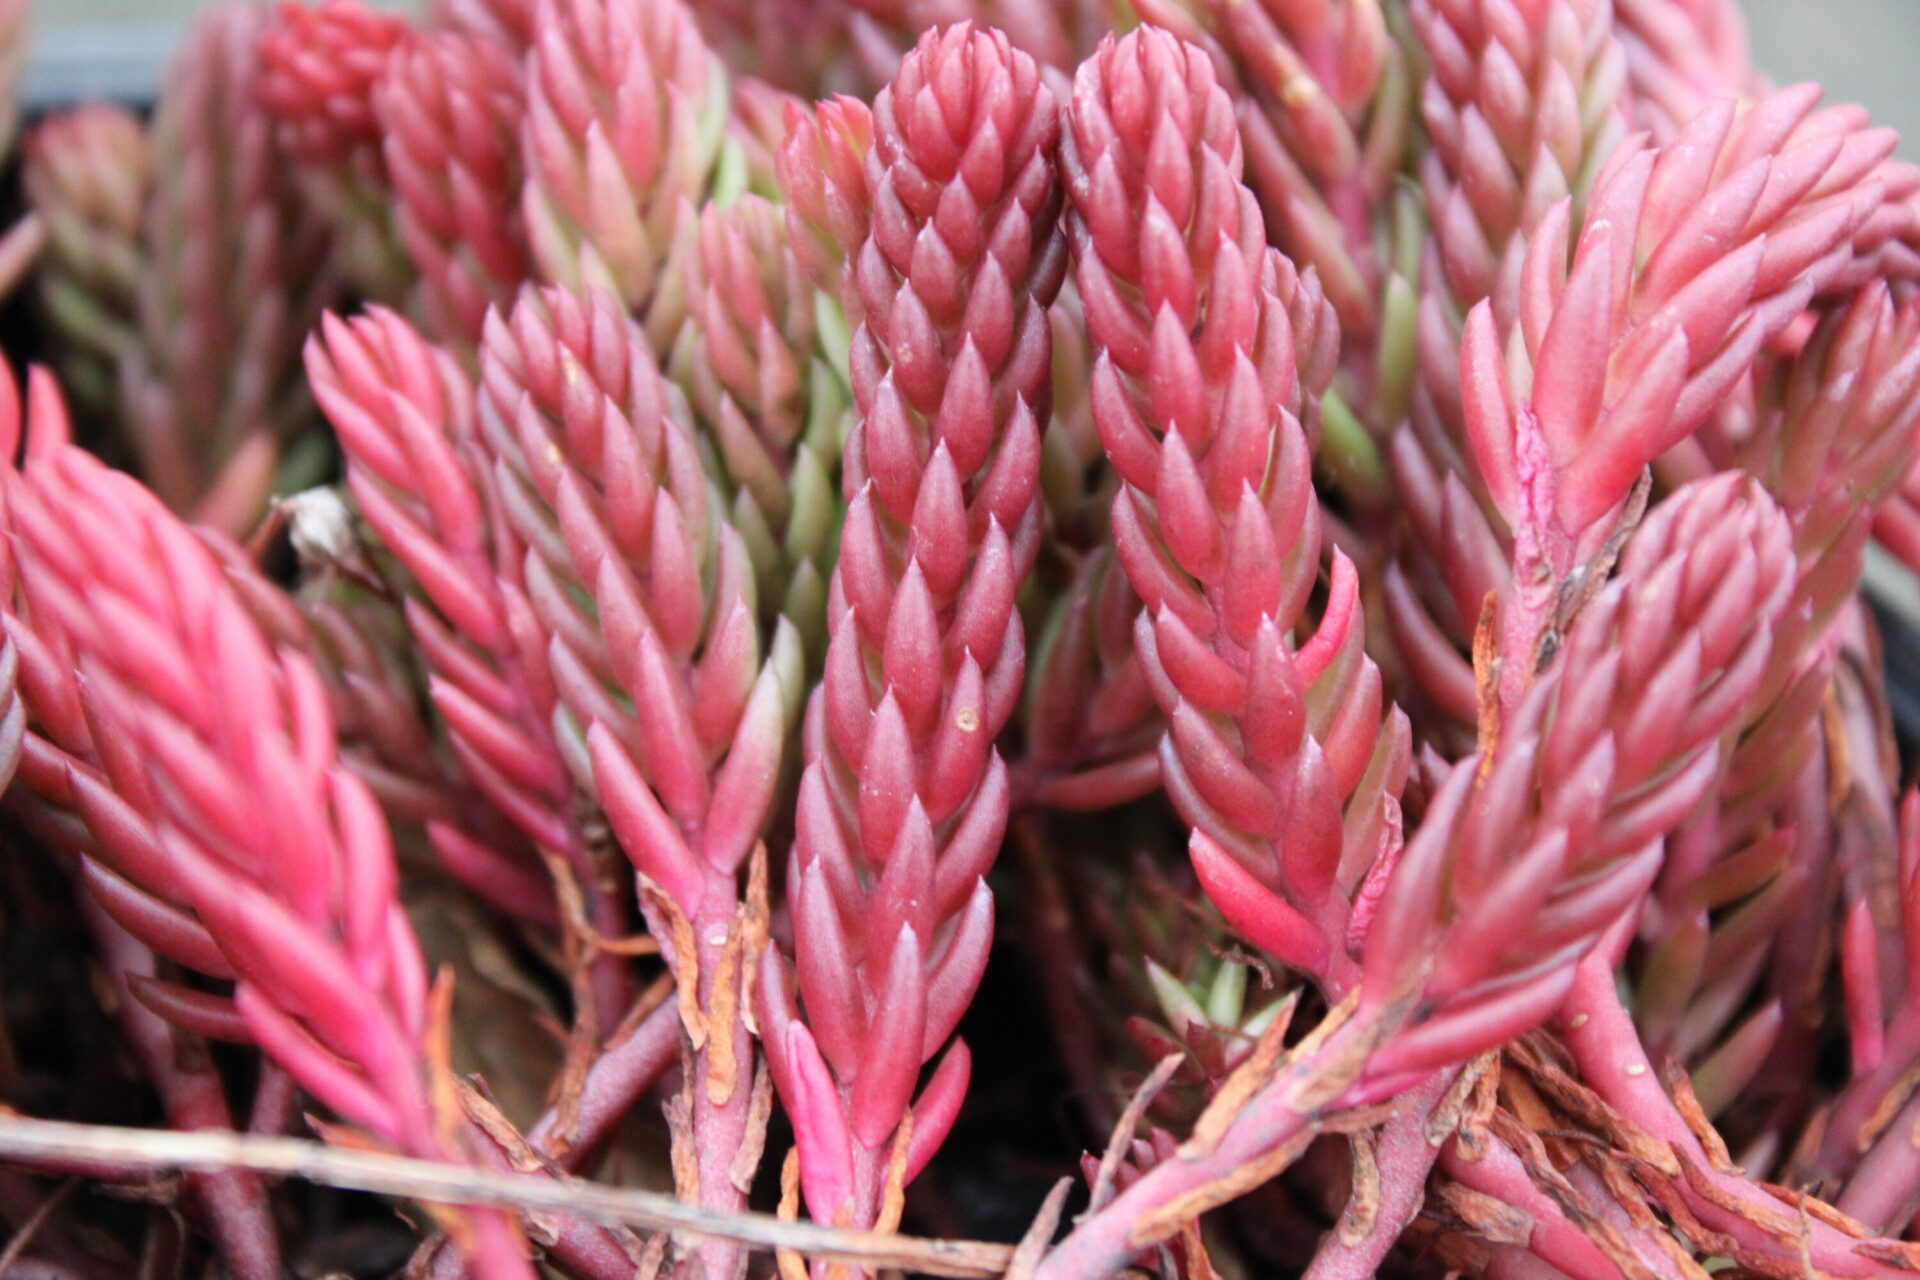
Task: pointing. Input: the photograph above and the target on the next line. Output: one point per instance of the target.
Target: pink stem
(1511, 1262)
(1883, 1191)
(1102, 1245)
(273, 1099)
(618, 1078)
(720, 1127)
(588, 1250)
(1613, 1063)
(609, 976)
(234, 1200)
(1554, 1238)
(1405, 1157)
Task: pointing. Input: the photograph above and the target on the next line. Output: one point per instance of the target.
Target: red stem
(1883, 1190)
(1611, 1061)
(1102, 1245)
(234, 1201)
(1404, 1157)
(1554, 1239)
(720, 1127)
(618, 1078)
(273, 1098)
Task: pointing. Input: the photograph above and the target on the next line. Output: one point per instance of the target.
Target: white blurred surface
(116, 49)
(1862, 50)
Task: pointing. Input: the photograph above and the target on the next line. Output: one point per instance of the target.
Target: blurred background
(1862, 50)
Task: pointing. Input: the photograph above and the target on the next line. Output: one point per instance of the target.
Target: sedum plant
(1265, 606)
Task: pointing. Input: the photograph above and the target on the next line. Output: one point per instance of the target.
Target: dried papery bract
(193, 716)
(904, 799)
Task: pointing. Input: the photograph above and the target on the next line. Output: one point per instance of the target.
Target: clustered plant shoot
(577, 572)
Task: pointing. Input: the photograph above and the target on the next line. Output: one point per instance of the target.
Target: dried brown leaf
(753, 1144)
(1363, 1200)
(658, 992)
(1494, 1219)
(1824, 1212)
(1625, 1191)
(1685, 1265)
(685, 1155)
(1833, 728)
(1887, 1110)
(1781, 1225)
(1486, 680)
(1593, 1113)
(792, 1265)
(1193, 1247)
(443, 1096)
(1039, 1234)
(1680, 1085)
(1894, 1253)
(1531, 1110)
(1674, 1203)
(686, 961)
(1447, 1116)
(1151, 1228)
(652, 1258)
(723, 1065)
(893, 1199)
(755, 936)
(1124, 1128)
(500, 1131)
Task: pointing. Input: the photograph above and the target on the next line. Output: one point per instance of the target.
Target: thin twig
(1122, 1137)
(23, 1138)
(28, 1230)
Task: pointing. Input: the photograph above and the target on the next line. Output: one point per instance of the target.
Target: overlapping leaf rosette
(904, 798)
(144, 759)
